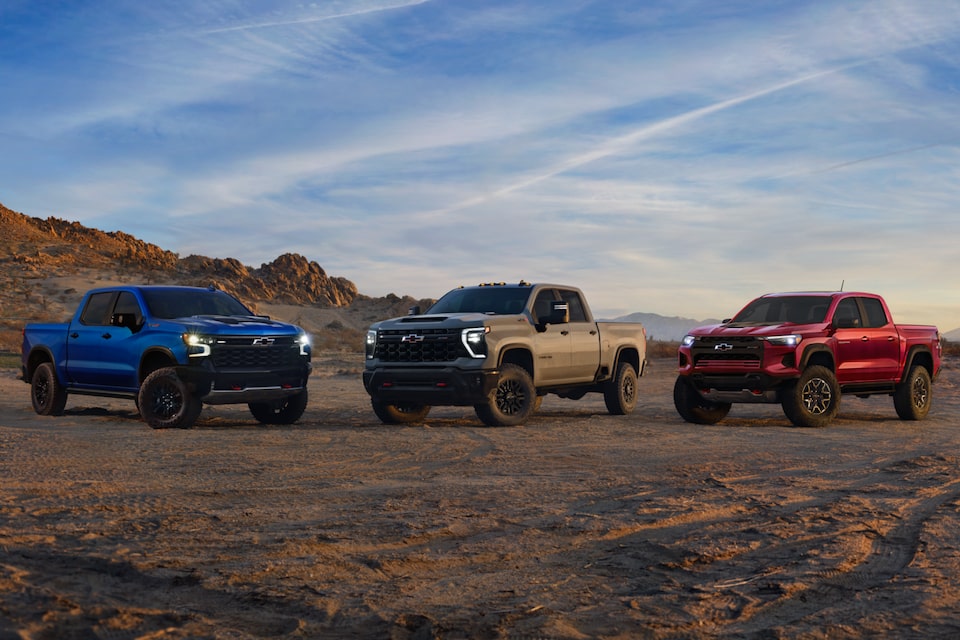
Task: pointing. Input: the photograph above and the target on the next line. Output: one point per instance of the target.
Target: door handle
(564, 333)
(74, 335)
(106, 336)
(864, 339)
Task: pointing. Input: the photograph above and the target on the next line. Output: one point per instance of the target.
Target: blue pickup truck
(170, 349)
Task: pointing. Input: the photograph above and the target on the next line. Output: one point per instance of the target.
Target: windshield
(183, 303)
(782, 309)
(493, 300)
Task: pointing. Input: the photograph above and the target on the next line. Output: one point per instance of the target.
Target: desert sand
(577, 525)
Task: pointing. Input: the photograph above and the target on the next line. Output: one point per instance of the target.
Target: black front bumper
(739, 387)
(434, 386)
(238, 385)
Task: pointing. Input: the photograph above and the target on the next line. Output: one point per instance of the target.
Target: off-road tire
(814, 399)
(912, 397)
(693, 408)
(47, 395)
(167, 402)
(284, 411)
(620, 394)
(404, 413)
(512, 401)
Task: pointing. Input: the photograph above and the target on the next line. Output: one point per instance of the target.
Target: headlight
(790, 340)
(304, 341)
(688, 341)
(475, 341)
(371, 345)
(198, 346)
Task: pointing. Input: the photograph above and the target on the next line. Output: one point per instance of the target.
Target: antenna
(841, 284)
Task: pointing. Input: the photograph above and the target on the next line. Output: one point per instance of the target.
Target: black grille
(256, 353)
(713, 349)
(420, 345)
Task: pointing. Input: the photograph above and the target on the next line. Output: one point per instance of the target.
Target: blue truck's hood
(237, 325)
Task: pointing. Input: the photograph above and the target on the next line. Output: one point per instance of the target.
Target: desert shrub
(662, 349)
(337, 337)
(950, 348)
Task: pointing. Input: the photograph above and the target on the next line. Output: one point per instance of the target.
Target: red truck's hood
(755, 330)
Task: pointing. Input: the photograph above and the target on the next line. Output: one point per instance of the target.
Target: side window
(572, 298)
(847, 314)
(127, 304)
(97, 311)
(875, 314)
(541, 306)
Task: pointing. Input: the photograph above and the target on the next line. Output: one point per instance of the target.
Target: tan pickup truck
(500, 348)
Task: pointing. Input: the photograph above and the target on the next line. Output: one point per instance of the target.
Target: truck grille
(720, 351)
(420, 345)
(256, 353)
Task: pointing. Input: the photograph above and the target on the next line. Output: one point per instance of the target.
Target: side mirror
(559, 313)
(127, 320)
(846, 323)
(414, 310)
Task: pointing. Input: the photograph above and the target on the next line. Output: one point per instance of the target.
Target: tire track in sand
(888, 557)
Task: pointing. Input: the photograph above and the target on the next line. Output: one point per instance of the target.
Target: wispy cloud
(638, 149)
(348, 11)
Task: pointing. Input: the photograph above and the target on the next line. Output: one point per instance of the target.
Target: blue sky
(675, 157)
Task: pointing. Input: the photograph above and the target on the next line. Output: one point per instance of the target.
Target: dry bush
(662, 349)
(950, 348)
(337, 337)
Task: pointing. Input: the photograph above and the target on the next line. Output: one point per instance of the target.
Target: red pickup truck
(803, 350)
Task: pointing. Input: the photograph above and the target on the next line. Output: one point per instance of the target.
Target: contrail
(897, 152)
(325, 18)
(617, 144)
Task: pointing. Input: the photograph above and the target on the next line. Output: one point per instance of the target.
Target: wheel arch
(818, 354)
(918, 355)
(630, 355)
(520, 356)
(153, 359)
(37, 356)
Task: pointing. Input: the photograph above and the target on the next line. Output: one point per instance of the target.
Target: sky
(678, 157)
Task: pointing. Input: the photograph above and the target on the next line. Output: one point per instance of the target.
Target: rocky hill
(47, 264)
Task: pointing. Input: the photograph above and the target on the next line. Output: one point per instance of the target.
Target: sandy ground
(576, 525)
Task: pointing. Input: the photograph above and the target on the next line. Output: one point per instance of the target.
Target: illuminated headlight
(304, 341)
(475, 341)
(371, 346)
(688, 341)
(790, 340)
(198, 346)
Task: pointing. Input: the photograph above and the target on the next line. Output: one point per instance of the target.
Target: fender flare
(151, 352)
(815, 349)
(37, 356)
(630, 354)
(916, 351)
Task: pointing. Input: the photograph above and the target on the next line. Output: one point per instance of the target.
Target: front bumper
(738, 387)
(239, 386)
(434, 386)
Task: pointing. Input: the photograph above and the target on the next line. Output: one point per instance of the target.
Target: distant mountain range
(664, 328)
(32, 249)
